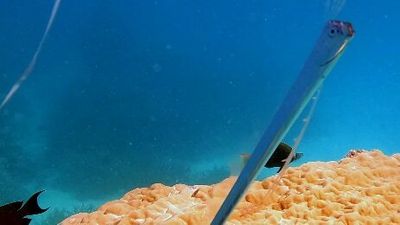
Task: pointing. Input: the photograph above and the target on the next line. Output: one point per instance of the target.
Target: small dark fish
(14, 213)
(278, 157)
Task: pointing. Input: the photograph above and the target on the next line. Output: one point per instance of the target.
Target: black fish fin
(280, 168)
(11, 207)
(25, 221)
(31, 206)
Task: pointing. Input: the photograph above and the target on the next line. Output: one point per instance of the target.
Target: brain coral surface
(363, 188)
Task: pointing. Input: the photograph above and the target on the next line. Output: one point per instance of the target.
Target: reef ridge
(362, 188)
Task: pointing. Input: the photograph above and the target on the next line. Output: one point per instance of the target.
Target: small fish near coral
(278, 158)
(15, 213)
(313, 193)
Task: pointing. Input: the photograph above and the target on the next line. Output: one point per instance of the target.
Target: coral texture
(363, 188)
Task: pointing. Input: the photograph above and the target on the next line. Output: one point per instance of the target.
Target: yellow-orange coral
(363, 188)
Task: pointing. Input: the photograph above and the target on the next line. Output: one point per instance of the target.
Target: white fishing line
(28, 70)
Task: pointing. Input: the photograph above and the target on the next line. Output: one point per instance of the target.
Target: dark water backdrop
(129, 93)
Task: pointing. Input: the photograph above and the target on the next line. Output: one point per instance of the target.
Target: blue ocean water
(129, 93)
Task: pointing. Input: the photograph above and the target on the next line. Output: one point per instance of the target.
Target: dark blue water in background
(129, 93)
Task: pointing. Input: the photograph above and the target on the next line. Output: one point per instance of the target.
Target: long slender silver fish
(328, 49)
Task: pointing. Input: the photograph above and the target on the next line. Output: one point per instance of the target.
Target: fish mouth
(339, 29)
(350, 30)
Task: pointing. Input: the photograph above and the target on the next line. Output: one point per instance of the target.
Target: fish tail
(298, 155)
(31, 207)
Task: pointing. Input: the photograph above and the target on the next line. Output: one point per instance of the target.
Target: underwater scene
(199, 112)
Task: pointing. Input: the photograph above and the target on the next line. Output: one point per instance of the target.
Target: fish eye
(333, 31)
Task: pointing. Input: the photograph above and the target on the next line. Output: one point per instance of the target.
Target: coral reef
(55, 215)
(363, 188)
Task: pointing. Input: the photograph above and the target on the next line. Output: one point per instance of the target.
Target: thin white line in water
(28, 70)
